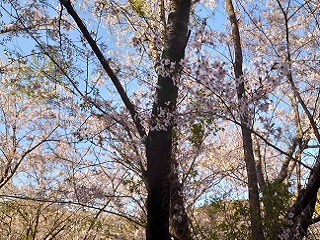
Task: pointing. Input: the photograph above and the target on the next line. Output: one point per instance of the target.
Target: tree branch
(106, 67)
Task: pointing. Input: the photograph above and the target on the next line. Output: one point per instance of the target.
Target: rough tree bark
(254, 204)
(179, 220)
(159, 141)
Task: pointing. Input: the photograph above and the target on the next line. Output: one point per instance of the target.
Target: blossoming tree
(147, 110)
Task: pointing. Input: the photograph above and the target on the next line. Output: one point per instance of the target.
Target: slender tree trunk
(159, 140)
(255, 211)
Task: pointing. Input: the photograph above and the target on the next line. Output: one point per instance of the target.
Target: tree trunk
(179, 220)
(159, 140)
(254, 204)
(303, 208)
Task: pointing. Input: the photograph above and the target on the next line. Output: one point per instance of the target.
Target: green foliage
(226, 220)
(197, 134)
(317, 207)
(276, 199)
(32, 80)
(138, 7)
(133, 185)
(175, 134)
(193, 172)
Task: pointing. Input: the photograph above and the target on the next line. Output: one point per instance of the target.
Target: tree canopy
(160, 119)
